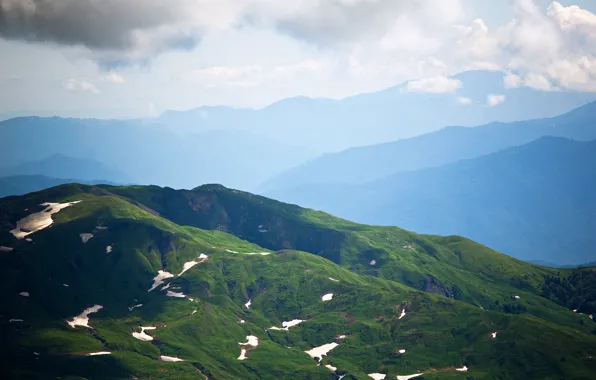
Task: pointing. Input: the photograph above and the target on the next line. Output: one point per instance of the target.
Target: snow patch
(247, 305)
(403, 313)
(142, 335)
(493, 334)
(575, 310)
(251, 340)
(170, 359)
(134, 307)
(24, 294)
(194, 311)
(373, 262)
(175, 294)
(327, 297)
(516, 297)
(402, 351)
(39, 220)
(202, 257)
(591, 316)
(286, 325)
(462, 369)
(6, 249)
(108, 249)
(159, 279)
(377, 376)
(29, 240)
(83, 318)
(319, 352)
(227, 250)
(332, 279)
(15, 320)
(65, 285)
(341, 337)
(85, 237)
(258, 253)
(101, 228)
(331, 368)
(242, 321)
(99, 353)
(407, 377)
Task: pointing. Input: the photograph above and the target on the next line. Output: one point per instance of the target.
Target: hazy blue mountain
(394, 113)
(147, 152)
(368, 163)
(534, 202)
(24, 184)
(60, 166)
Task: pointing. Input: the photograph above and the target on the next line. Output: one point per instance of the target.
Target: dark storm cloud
(100, 25)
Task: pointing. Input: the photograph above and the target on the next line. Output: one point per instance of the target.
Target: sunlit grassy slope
(455, 294)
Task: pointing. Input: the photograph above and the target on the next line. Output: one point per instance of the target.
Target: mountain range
(144, 281)
(406, 110)
(141, 152)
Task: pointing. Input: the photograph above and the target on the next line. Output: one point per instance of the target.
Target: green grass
(438, 332)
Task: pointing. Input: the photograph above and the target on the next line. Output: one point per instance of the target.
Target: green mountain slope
(138, 231)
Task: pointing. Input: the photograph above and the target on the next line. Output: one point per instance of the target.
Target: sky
(138, 58)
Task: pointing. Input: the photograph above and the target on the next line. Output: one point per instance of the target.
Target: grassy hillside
(439, 331)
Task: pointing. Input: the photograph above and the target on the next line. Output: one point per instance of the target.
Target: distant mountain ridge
(534, 202)
(451, 144)
(330, 125)
(144, 152)
(24, 184)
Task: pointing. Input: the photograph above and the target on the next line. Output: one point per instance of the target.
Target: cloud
(436, 85)
(537, 82)
(464, 100)
(494, 100)
(511, 80)
(113, 31)
(114, 78)
(81, 85)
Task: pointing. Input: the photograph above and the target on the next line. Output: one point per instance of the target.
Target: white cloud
(464, 100)
(437, 85)
(494, 100)
(114, 78)
(537, 82)
(511, 80)
(81, 85)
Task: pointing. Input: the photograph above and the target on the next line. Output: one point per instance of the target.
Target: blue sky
(132, 58)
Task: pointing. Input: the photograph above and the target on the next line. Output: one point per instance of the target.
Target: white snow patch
(159, 279)
(134, 307)
(167, 286)
(175, 294)
(462, 369)
(247, 305)
(99, 353)
(142, 335)
(194, 311)
(377, 376)
(29, 240)
(327, 297)
(83, 318)
(108, 249)
(85, 237)
(341, 337)
(407, 377)
(24, 294)
(6, 249)
(190, 264)
(227, 250)
(402, 351)
(373, 262)
(242, 354)
(332, 279)
(516, 297)
(65, 285)
(36, 353)
(101, 228)
(591, 316)
(493, 334)
(170, 359)
(286, 325)
(575, 310)
(242, 321)
(331, 368)
(15, 320)
(319, 352)
(251, 340)
(258, 253)
(403, 313)
(39, 220)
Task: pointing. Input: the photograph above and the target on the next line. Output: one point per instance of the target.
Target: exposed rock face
(435, 286)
